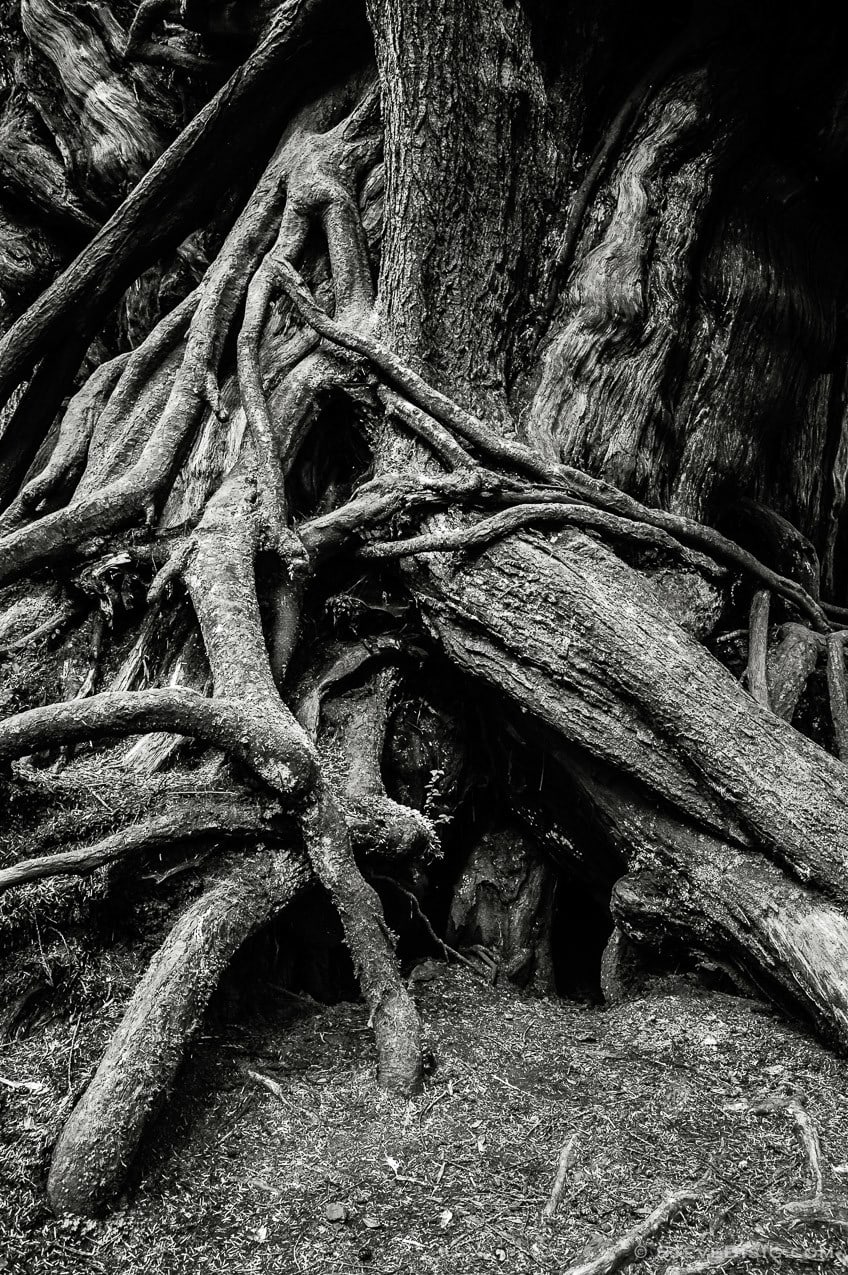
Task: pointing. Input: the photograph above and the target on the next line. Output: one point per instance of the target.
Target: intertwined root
(115, 462)
(185, 465)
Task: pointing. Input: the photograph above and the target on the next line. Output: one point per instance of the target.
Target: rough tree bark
(503, 349)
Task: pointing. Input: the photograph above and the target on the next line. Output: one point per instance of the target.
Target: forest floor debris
(277, 1153)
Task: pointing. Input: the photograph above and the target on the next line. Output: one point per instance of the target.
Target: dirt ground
(277, 1153)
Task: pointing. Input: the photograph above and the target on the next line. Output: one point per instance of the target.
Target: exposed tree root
(598, 654)
(487, 530)
(216, 824)
(810, 1138)
(527, 461)
(218, 564)
(397, 1028)
(102, 1134)
(333, 671)
(758, 648)
(41, 399)
(633, 1244)
(220, 723)
(220, 579)
(352, 748)
(145, 18)
(118, 423)
(71, 448)
(747, 820)
(779, 933)
(819, 1207)
(138, 488)
(377, 503)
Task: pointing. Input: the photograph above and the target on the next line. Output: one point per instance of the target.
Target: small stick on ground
(749, 1251)
(623, 1250)
(758, 647)
(268, 1083)
(28, 1086)
(566, 1159)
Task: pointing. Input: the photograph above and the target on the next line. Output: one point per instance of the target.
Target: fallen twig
(271, 1085)
(566, 1159)
(28, 1086)
(446, 947)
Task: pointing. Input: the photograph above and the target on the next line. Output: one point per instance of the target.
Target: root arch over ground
(425, 389)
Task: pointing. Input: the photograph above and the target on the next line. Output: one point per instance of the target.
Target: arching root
(220, 580)
(351, 746)
(102, 1134)
(217, 823)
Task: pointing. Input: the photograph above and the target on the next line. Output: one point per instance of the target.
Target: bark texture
(424, 431)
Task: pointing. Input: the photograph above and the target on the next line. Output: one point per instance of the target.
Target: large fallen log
(578, 640)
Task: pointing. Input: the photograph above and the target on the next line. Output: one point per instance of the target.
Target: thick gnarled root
(101, 1136)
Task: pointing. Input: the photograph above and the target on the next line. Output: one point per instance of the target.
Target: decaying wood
(502, 903)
